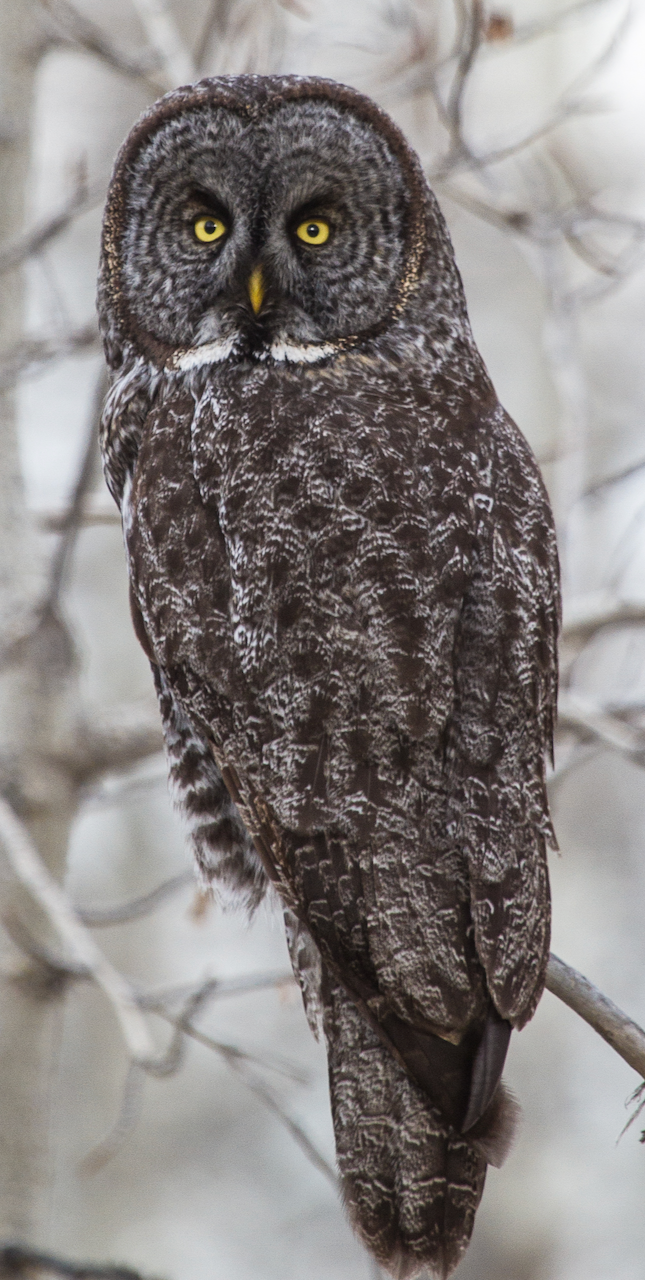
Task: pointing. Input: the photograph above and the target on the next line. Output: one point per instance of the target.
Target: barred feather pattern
(224, 851)
(410, 1183)
(344, 572)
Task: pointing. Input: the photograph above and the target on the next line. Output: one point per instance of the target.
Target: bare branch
(225, 987)
(132, 1099)
(69, 532)
(32, 873)
(470, 39)
(586, 619)
(97, 511)
(50, 974)
(616, 478)
(582, 755)
(81, 32)
(591, 72)
(31, 355)
(175, 60)
(238, 1061)
(100, 917)
(149, 771)
(270, 1100)
(580, 715)
(81, 200)
(130, 735)
(638, 1096)
(124, 1125)
(231, 1052)
(16, 1260)
(625, 1036)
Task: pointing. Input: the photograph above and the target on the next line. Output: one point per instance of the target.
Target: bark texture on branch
(625, 1036)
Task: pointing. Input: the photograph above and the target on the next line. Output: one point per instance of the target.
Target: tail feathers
(411, 1183)
(493, 1135)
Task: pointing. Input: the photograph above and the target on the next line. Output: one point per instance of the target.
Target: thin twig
(33, 874)
(576, 991)
(616, 478)
(81, 200)
(132, 1100)
(17, 1260)
(69, 532)
(231, 1052)
(174, 58)
(128, 738)
(83, 33)
(586, 620)
(124, 782)
(53, 972)
(100, 917)
(470, 41)
(638, 1096)
(270, 1100)
(96, 512)
(579, 714)
(124, 1125)
(221, 987)
(582, 755)
(31, 355)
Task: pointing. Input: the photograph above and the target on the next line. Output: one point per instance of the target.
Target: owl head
(267, 219)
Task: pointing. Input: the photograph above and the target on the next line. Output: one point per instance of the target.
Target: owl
(343, 571)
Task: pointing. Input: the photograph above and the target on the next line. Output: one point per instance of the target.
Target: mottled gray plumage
(344, 573)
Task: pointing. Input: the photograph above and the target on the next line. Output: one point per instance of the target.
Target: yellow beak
(256, 289)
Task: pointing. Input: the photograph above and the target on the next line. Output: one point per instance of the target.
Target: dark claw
(487, 1067)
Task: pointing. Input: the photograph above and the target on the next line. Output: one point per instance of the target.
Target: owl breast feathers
(343, 570)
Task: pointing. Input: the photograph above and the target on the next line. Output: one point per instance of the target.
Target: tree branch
(175, 60)
(231, 1052)
(97, 511)
(99, 917)
(30, 356)
(124, 1125)
(586, 619)
(616, 478)
(545, 26)
(470, 39)
(72, 521)
(12, 254)
(115, 744)
(81, 32)
(248, 982)
(32, 873)
(576, 991)
(580, 715)
(113, 788)
(16, 1260)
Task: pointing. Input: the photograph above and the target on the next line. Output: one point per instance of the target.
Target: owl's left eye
(208, 229)
(313, 231)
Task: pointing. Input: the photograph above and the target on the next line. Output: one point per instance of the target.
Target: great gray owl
(343, 570)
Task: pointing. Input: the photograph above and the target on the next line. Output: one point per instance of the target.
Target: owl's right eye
(208, 229)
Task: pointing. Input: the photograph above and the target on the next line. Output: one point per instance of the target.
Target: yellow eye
(313, 231)
(209, 229)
